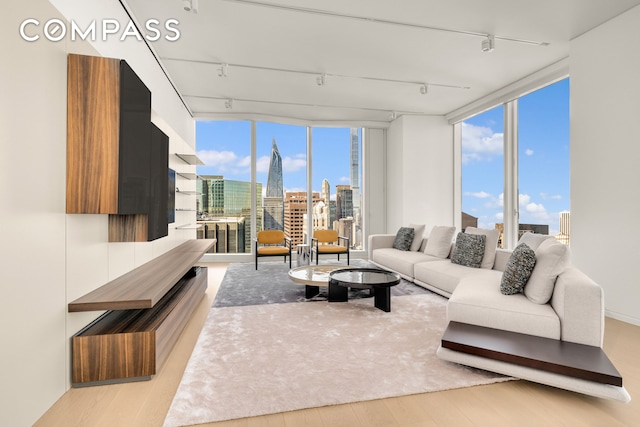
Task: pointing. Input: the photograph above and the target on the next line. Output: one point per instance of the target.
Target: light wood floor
(515, 403)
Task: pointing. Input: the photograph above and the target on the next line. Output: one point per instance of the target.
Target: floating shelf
(188, 227)
(188, 193)
(187, 175)
(190, 159)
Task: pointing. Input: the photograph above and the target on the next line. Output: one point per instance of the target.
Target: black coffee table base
(381, 296)
(379, 283)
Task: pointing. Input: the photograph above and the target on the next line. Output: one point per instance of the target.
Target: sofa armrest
(377, 241)
(579, 303)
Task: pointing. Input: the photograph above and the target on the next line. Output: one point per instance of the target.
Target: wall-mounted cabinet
(108, 137)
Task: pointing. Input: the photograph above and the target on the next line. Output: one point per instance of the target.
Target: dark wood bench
(147, 311)
(560, 357)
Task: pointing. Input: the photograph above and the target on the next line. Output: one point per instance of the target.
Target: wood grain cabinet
(117, 160)
(108, 137)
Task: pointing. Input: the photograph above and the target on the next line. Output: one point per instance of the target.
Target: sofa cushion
(552, 257)
(400, 261)
(533, 240)
(445, 275)
(404, 238)
(468, 250)
(518, 270)
(478, 301)
(439, 241)
(418, 232)
(491, 244)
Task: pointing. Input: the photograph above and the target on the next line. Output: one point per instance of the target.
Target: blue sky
(224, 146)
(543, 145)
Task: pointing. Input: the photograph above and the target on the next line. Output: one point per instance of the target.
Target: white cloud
(480, 143)
(293, 164)
(479, 194)
(528, 152)
(344, 179)
(262, 164)
(222, 161)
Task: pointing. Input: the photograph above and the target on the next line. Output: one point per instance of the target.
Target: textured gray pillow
(404, 238)
(469, 250)
(518, 270)
(490, 246)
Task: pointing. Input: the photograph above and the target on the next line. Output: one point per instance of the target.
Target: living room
(75, 256)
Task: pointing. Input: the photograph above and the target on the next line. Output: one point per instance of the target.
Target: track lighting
(320, 80)
(488, 44)
(228, 104)
(424, 88)
(190, 5)
(222, 71)
(393, 115)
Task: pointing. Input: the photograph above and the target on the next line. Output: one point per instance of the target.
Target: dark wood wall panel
(159, 177)
(93, 114)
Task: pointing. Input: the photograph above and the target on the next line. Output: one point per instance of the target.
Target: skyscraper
(326, 191)
(274, 197)
(295, 214)
(344, 201)
(355, 168)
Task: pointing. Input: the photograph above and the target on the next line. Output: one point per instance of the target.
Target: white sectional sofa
(573, 313)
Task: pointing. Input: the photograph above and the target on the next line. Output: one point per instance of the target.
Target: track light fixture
(222, 71)
(190, 5)
(393, 115)
(320, 80)
(488, 44)
(228, 104)
(424, 88)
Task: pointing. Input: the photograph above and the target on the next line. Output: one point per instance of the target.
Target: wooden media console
(148, 309)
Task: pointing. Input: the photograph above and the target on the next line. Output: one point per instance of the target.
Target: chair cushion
(326, 236)
(331, 249)
(273, 250)
(269, 237)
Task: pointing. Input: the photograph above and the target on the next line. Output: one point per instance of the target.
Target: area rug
(270, 284)
(269, 358)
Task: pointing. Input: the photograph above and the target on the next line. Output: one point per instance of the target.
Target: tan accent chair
(328, 242)
(273, 243)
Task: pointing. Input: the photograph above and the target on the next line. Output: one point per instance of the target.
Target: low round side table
(378, 280)
(313, 276)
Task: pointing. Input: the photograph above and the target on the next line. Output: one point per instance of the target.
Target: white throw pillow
(533, 240)
(439, 241)
(552, 257)
(491, 244)
(417, 236)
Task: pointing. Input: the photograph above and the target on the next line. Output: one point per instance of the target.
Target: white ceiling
(369, 63)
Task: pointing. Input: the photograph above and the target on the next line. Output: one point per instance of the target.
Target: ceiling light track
(229, 104)
(321, 78)
(382, 21)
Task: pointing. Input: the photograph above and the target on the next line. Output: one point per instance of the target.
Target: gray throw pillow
(518, 270)
(469, 250)
(404, 238)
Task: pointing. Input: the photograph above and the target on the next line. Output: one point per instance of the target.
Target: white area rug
(262, 359)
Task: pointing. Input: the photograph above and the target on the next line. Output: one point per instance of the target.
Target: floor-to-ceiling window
(337, 179)
(532, 134)
(224, 184)
(281, 185)
(543, 161)
(483, 170)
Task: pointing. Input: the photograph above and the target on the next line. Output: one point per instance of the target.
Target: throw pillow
(518, 270)
(404, 238)
(439, 241)
(552, 257)
(417, 236)
(533, 240)
(469, 250)
(492, 236)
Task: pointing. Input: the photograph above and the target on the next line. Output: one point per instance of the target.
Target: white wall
(50, 258)
(419, 172)
(605, 151)
(375, 195)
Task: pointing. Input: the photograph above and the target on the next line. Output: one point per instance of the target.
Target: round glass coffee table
(379, 281)
(313, 276)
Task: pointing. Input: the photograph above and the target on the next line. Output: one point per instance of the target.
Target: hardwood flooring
(514, 403)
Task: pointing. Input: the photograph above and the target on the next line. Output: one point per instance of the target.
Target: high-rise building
(295, 209)
(355, 168)
(274, 197)
(326, 191)
(344, 202)
(225, 198)
(565, 228)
